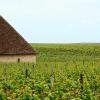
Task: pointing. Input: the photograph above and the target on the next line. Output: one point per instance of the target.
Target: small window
(18, 60)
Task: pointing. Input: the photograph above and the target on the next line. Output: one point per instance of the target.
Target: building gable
(11, 42)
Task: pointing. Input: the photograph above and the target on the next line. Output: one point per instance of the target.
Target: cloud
(58, 20)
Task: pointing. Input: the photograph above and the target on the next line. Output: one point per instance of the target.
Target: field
(62, 72)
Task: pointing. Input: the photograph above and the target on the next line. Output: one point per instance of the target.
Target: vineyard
(62, 72)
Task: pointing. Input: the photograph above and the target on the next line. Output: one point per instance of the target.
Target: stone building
(13, 47)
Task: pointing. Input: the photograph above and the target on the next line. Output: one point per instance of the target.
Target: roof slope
(11, 42)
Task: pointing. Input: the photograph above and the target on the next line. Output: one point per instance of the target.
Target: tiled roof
(11, 42)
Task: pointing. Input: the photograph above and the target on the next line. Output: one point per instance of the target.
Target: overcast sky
(54, 21)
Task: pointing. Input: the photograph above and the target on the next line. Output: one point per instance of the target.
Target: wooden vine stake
(81, 83)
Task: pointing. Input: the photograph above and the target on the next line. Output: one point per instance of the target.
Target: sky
(54, 21)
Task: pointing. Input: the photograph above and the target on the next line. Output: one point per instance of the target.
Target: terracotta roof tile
(11, 42)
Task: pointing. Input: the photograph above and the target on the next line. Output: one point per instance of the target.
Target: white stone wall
(14, 58)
